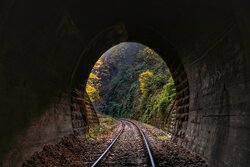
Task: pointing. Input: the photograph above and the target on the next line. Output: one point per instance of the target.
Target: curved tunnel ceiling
(47, 48)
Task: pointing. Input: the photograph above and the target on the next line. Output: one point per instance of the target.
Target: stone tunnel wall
(40, 47)
(78, 114)
(212, 84)
(90, 112)
(83, 113)
(218, 124)
(35, 97)
(48, 128)
(182, 102)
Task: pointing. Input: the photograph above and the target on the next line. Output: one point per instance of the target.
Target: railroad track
(142, 145)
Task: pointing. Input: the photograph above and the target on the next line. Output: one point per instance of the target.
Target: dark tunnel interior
(48, 48)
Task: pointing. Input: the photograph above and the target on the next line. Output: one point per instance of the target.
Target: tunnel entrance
(130, 80)
(149, 37)
(126, 111)
(48, 51)
(125, 114)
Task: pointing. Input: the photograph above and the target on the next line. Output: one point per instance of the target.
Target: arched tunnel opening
(130, 80)
(48, 49)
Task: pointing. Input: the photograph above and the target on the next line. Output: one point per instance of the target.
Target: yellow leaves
(92, 92)
(93, 76)
(94, 81)
(98, 64)
(92, 87)
(147, 50)
(146, 74)
(143, 79)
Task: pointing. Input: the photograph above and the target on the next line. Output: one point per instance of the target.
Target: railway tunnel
(49, 48)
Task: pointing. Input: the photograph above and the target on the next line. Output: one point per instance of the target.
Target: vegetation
(92, 87)
(131, 80)
(103, 130)
(162, 137)
(107, 119)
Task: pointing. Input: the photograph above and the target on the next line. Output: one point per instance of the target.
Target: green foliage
(162, 137)
(102, 131)
(107, 119)
(94, 130)
(132, 81)
(167, 95)
(161, 91)
(88, 137)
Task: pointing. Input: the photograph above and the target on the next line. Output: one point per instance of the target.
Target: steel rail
(146, 144)
(113, 142)
(105, 152)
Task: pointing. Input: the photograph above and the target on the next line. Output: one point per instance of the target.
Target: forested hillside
(131, 80)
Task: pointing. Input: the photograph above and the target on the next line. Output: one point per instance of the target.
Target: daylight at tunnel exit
(117, 83)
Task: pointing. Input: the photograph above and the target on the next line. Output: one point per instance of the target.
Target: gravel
(73, 151)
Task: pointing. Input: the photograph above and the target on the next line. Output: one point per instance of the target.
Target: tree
(92, 87)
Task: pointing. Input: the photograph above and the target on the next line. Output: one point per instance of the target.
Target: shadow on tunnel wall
(35, 95)
(45, 52)
(221, 129)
